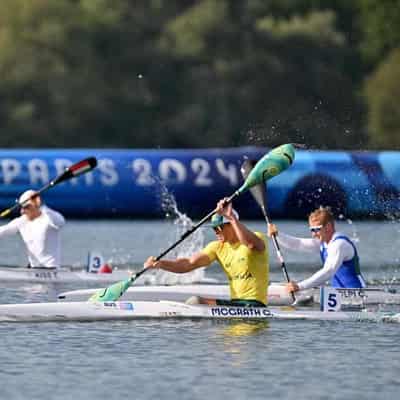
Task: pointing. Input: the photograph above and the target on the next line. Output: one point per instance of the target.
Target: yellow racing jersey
(247, 270)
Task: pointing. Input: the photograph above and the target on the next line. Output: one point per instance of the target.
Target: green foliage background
(199, 73)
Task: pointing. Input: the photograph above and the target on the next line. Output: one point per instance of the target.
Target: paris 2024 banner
(142, 183)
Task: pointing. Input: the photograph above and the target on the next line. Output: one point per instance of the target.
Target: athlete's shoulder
(342, 242)
(341, 238)
(261, 235)
(15, 225)
(211, 250)
(212, 246)
(19, 221)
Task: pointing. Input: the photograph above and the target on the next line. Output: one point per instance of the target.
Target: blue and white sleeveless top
(348, 275)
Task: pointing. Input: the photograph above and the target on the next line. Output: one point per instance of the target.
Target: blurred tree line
(199, 73)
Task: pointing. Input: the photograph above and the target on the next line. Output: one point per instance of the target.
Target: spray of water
(181, 223)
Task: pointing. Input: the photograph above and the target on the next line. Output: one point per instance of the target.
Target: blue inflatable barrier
(132, 183)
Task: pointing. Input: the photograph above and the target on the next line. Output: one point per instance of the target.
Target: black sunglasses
(316, 229)
(219, 228)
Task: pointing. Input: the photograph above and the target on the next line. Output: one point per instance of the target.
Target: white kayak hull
(62, 275)
(85, 311)
(277, 294)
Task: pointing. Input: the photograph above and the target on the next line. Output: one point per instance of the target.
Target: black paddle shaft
(278, 250)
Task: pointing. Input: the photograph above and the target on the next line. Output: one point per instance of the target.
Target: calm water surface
(198, 359)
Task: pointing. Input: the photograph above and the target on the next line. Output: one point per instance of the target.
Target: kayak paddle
(73, 171)
(259, 193)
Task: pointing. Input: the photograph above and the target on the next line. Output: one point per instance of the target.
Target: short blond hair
(324, 214)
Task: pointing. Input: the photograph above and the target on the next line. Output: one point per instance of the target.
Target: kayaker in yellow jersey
(242, 254)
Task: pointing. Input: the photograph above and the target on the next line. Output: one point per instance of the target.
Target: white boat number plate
(330, 299)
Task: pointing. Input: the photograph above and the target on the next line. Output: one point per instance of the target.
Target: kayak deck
(277, 295)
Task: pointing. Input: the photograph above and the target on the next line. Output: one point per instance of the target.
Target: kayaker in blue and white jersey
(338, 253)
(39, 227)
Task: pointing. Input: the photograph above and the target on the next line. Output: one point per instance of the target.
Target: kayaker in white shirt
(338, 253)
(39, 227)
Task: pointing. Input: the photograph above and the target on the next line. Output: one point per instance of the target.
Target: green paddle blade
(113, 292)
(258, 191)
(272, 164)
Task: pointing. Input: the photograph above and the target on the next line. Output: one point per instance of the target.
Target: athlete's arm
(298, 244)
(247, 237)
(179, 265)
(339, 251)
(10, 228)
(56, 220)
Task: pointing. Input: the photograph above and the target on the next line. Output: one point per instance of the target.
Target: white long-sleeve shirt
(338, 251)
(41, 237)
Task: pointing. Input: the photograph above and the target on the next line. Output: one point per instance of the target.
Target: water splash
(181, 223)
